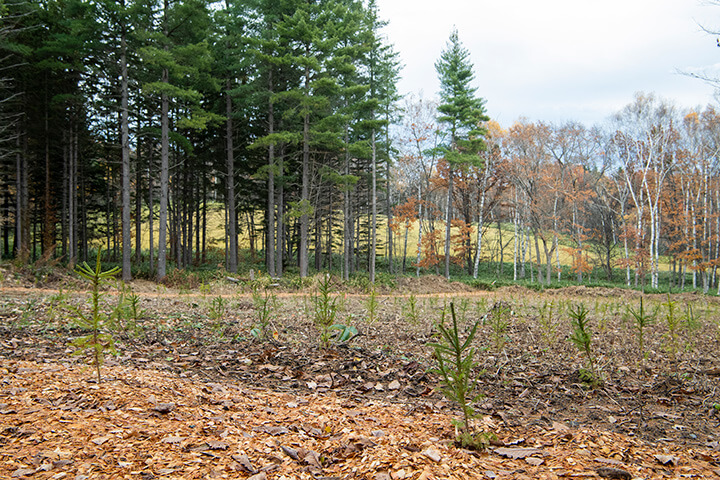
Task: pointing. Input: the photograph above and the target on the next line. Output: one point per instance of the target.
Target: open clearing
(192, 394)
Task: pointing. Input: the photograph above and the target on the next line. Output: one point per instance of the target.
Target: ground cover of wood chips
(192, 397)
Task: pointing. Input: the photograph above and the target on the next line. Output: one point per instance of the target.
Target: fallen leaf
(666, 459)
(244, 462)
(259, 476)
(560, 427)
(275, 431)
(432, 454)
(173, 439)
(217, 445)
(313, 459)
(164, 407)
(517, 452)
(615, 473)
(290, 452)
(394, 385)
(21, 472)
(100, 440)
(426, 474)
(534, 461)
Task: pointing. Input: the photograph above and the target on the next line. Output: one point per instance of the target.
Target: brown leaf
(244, 462)
(560, 427)
(216, 445)
(616, 473)
(275, 431)
(259, 476)
(313, 459)
(100, 440)
(290, 452)
(164, 407)
(517, 452)
(432, 454)
(666, 459)
(173, 439)
(534, 461)
(21, 472)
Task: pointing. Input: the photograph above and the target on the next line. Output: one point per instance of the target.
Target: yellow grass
(490, 240)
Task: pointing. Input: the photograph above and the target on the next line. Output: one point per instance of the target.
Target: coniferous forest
(125, 125)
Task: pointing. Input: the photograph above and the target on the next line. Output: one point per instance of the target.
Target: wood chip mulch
(57, 423)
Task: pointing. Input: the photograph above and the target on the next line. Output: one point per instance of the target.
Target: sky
(561, 60)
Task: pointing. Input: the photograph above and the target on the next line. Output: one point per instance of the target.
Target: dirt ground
(193, 393)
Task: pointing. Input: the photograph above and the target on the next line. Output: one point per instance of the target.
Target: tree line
(119, 112)
(622, 201)
(122, 120)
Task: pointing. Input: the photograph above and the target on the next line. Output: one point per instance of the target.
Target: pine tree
(462, 113)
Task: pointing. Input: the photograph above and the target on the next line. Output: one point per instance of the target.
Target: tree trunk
(22, 210)
(448, 221)
(164, 160)
(281, 223)
(232, 248)
(305, 195)
(270, 216)
(151, 214)
(125, 149)
(138, 196)
(373, 202)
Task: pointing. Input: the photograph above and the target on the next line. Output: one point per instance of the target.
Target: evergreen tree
(463, 115)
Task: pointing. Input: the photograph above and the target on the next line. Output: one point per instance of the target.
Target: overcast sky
(558, 60)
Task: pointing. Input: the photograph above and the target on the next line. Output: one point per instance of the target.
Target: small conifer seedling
(98, 342)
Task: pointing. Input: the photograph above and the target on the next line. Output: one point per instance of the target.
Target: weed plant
(581, 337)
(97, 341)
(126, 316)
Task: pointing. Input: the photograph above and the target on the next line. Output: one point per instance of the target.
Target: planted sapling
(455, 359)
(371, 304)
(97, 341)
(672, 337)
(548, 323)
(499, 321)
(325, 309)
(581, 337)
(265, 306)
(642, 319)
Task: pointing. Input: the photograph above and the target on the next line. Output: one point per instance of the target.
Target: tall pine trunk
(448, 220)
(232, 257)
(164, 180)
(270, 216)
(373, 201)
(125, 148)
(305, 198)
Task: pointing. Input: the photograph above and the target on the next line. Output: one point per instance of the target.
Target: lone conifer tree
(463, 113)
